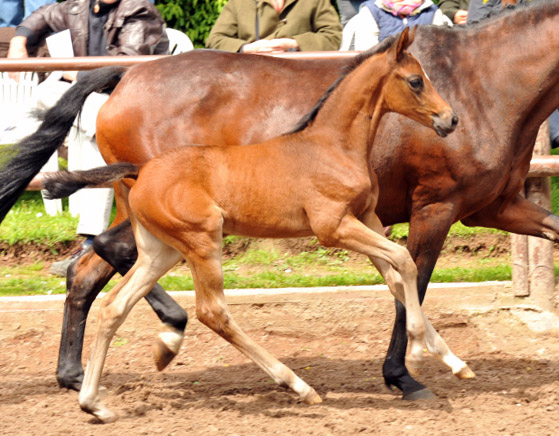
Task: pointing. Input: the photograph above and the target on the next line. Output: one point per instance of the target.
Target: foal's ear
(405, 40)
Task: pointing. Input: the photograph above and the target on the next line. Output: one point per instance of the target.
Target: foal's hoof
(422, 394)
(162, 355)
(312, 398)
(106, 416)
(465, 373)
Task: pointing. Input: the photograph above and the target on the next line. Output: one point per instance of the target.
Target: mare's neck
(502, 73)
(350, 116)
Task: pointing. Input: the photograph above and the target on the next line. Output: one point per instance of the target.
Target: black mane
(355, 62)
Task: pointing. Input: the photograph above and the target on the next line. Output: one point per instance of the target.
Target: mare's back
(209, 97)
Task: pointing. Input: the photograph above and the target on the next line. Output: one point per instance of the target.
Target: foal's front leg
(435, 343)
(352, 234)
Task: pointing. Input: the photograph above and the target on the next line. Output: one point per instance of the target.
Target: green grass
(258, 265)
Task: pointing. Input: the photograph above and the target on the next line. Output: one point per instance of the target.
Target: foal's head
(409, 91)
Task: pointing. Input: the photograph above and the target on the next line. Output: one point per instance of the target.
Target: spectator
(378, 19)
(348, 9)
(12, 12)
(275, 26)
(456, 10)
(97, 28)
(480, 9)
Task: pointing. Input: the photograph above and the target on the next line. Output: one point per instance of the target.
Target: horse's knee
(117, 246)
(403, 262)
(215, 317)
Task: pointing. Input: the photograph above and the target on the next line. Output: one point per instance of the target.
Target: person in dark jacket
(96, 28)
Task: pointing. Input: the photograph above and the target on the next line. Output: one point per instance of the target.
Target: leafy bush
(194, 17)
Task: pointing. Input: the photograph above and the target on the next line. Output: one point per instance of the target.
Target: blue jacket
(388, 24)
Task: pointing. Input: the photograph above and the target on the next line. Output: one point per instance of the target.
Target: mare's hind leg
(204, 258)
(155, 258)
(118, 247)
(86, 278)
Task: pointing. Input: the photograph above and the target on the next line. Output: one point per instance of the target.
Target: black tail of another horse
(20, 162)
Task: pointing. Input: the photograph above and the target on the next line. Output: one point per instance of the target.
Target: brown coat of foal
(316, 180)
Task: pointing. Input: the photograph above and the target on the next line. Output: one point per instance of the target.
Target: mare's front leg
(397, 267)
(118, 247)
(154, 260)
(428, 229)
(519, 216)
(435, 344)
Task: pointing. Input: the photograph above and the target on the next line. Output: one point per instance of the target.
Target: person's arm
(449, 7)
(440, 19)
(224, 33)
(140, 34)
(366, 31)
(327, 30)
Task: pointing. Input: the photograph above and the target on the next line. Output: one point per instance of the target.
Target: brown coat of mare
(500, 77)
(316, 180)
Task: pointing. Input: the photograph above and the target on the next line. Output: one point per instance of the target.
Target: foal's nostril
(455, 120)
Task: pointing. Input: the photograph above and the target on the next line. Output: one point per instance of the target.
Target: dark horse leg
(425, 247)
(519, 216)
(86, 278)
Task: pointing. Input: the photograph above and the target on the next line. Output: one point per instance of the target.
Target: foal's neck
(350, 116)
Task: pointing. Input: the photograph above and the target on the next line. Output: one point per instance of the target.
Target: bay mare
(500, 76)
(314, 181)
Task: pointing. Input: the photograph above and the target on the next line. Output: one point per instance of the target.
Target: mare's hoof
(162, 355)
(74, 383)
(465, 373)
(422, 394)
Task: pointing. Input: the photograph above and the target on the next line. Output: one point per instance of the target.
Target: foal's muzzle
(445, 123)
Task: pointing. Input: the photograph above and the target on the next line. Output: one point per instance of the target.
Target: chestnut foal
(315, 180)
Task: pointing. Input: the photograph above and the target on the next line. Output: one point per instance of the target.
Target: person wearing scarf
(378, 19)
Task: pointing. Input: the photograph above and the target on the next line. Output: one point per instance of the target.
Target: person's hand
(460, 16)
(70, 76)
(278, 45)
(17, 50)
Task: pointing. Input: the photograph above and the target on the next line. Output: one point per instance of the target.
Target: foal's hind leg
(155, 258)
(118, 247)
(204, 259)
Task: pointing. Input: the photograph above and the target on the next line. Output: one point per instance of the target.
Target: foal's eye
(416, 83)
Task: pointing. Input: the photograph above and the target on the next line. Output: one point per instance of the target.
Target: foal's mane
(355, 62)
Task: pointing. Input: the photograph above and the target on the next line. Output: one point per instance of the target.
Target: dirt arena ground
(335, 341)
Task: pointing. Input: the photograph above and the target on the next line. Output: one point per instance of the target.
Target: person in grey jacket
(97, 28)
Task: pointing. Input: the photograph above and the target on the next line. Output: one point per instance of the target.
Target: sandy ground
(336, 341)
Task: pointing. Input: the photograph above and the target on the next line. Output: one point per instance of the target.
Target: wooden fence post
(541, 277)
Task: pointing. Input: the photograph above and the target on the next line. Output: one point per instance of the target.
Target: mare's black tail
(19, 163)
(65, 183)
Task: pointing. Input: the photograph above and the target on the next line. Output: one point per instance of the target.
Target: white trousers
(92, 205)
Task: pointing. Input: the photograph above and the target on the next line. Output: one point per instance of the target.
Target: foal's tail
(64, 183)
(19, 163)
